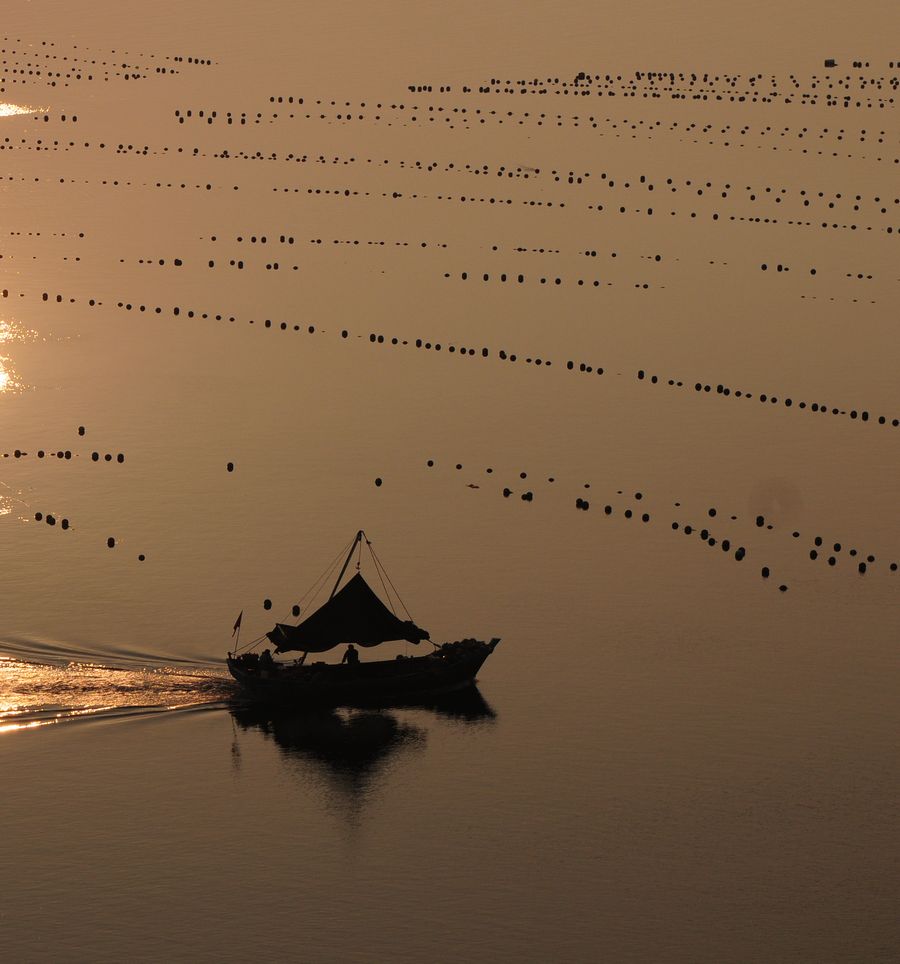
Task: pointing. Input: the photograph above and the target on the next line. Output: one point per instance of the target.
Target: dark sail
(353, 615)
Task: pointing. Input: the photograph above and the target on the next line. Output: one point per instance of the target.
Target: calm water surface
(669, 757)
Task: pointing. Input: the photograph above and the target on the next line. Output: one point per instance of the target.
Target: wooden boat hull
(450, 668)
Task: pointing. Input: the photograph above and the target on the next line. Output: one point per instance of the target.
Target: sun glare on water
(10, 110)
(12, 331)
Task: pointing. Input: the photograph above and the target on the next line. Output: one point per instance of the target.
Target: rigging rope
(310, 595)
(397, 594)
(383, 586)
(315, 589)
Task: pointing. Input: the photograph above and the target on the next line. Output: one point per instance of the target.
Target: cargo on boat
(355, 616)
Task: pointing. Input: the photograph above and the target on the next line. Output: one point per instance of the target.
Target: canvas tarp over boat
(353, 615)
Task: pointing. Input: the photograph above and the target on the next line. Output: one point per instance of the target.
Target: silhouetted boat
(355, 616)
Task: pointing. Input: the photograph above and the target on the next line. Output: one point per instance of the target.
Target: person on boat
(266, 661)
(351, 656)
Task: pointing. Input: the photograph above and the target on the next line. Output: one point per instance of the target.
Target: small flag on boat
(237, 623)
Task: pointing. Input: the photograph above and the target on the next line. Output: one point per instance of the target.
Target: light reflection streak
(35, 694)
(11, 110)
(9, 381)
(11, 332)
(10, 727)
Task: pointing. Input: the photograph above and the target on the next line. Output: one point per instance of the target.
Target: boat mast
(353, 546)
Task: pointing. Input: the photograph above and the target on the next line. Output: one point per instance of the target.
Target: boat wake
(45, 683)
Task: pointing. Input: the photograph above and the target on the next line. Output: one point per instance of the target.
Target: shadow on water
(467, 705)
(352, 748)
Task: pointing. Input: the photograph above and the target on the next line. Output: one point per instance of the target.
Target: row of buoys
(852, 301)
(400, 195)
(413, 111)
(460, 116)
(30, 51)
(599, 208)
(45, 234)
(588, 253)
(721, 191)
(705, 82)
(352, 242)
(64, 523)
(708, 91)
(275, 266)
(754, 194)
(808, 99)
(26, 77)
(584, 505)
(503, 278)
(65, 454)
(448, 113)
(571, 177)
(51, 520)
(689, 529)
(114, 182)
(726, 391)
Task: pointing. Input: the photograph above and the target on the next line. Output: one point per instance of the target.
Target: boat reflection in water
(352, 747)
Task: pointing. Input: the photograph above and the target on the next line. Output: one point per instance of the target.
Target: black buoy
(141, 557)
(267, 604)
(110, 543)
(81, 430)
(378, 482)
(295, 611)
(229, 467)
(764, 572)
